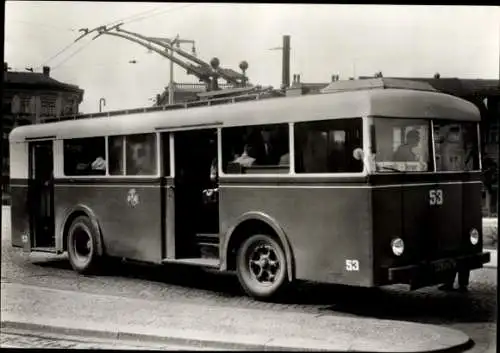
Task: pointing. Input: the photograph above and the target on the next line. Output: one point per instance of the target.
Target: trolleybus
(368, 185)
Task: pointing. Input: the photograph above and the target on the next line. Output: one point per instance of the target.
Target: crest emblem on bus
(133, 197)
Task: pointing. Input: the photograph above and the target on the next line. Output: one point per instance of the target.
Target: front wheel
(82, 245)
(261, 266)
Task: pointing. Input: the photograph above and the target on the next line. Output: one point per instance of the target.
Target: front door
(41, 192)
(196, 205)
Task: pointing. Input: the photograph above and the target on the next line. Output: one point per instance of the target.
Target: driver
(405, 152)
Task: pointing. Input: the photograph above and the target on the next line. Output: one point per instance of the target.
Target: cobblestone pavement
(473, 313)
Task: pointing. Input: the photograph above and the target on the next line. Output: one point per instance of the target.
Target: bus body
(330, 205)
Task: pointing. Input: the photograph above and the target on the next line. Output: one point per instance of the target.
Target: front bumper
(437, 271)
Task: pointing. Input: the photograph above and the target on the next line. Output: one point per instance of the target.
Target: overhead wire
(132, 16)
(161, 12)
(128, 19)
(72, 55)
(57, 54)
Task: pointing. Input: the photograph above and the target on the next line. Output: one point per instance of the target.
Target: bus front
(426, 199)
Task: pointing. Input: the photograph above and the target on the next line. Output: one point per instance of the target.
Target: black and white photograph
(250, 176)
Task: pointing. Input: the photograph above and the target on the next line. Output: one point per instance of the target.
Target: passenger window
(85, 156)
(456, 146)
(141, 154)
(259, 149)
(115, 150)
(328, 146)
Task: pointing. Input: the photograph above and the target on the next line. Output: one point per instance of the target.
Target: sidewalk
(200, 326)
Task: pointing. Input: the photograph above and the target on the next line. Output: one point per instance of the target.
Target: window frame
(158, 149)
(63, 155)
(364, 136)
(431, 121)
(159, 169)
(291, 143)
(479, 155)
(431, 148)
(256, 175)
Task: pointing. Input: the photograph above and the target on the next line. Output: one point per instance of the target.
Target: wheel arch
(73, 213)
(242, 229)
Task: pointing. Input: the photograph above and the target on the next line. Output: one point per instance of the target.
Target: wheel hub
(264, 264)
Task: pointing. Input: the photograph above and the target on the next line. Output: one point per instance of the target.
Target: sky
(348, 40)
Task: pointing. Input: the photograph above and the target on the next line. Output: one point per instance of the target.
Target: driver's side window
(327, 146)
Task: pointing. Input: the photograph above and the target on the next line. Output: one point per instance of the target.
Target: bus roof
(396, 103)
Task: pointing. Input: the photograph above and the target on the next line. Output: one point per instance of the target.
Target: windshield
(400, 145)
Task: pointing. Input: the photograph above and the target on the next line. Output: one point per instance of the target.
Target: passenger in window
(141, 157)
(246, 160)
(452, 152)
(285, 159)
(405, 152)
(99, 164)
(116, 156)
(266, 152)
(213, 170)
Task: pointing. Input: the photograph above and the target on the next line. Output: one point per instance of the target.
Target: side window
(456, 146)
(139, 152)
(85, 156)
(259, 149)
(328, 146)
(115, 150)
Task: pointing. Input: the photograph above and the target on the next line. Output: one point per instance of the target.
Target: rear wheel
(82, 245)
(261, 266)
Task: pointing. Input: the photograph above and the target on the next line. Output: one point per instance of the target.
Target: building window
(328, 146)
(139, 151)
(256, 149)
(84, 156)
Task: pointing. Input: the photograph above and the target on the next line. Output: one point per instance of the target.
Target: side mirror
(358, 154)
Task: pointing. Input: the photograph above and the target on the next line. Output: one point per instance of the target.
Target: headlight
(398, 246)
(474, 236)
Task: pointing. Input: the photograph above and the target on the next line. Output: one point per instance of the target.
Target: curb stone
(152, 338)
(214, 342)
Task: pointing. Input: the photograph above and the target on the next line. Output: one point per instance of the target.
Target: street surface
(473, 313)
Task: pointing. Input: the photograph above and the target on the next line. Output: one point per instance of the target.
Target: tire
(82, 245)
(261, 266)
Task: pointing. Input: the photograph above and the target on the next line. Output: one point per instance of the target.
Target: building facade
(29, 97)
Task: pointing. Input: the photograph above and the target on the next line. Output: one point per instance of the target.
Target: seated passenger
(245, 159)
(99, 164)
(140, 159)
(405, 152)
(285, 159)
